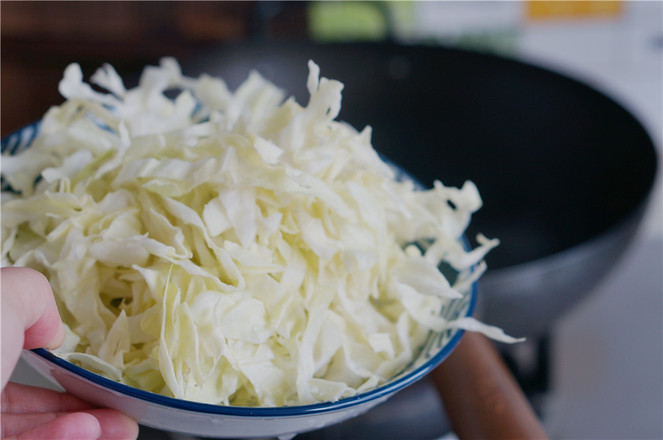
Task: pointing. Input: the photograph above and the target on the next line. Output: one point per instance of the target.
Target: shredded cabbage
(232, 248)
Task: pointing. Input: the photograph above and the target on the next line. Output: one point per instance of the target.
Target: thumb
(30, 318)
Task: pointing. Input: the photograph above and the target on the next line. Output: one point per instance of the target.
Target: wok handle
(481, 397)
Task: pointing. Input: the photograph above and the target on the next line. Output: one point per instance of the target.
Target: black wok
(564, 171)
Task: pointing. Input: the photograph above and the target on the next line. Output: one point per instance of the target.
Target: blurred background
(601, 375)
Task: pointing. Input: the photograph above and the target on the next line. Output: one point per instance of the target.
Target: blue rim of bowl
(23, 137)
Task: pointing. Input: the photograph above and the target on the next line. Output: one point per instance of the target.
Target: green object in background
(349, 20)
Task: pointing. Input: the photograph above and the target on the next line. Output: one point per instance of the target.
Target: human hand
(30, 320)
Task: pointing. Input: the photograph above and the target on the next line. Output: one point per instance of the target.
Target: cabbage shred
(231, 248)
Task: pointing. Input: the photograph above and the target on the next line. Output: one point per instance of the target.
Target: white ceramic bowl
(199, 419)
